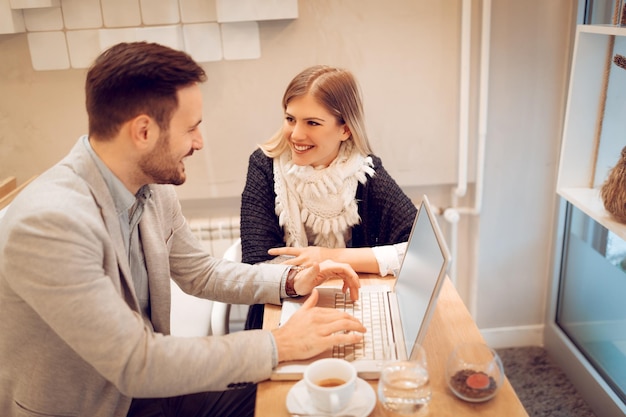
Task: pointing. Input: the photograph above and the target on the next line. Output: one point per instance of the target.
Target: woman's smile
(302, 148)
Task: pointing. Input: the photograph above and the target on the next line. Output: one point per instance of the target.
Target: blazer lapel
(153, 240)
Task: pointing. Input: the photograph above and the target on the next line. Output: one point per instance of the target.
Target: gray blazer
(72, 340)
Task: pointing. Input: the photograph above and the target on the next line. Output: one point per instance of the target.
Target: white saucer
(363, 400)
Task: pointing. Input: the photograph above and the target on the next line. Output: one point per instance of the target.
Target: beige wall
(405, 54)
(410, 90)
(409, 87)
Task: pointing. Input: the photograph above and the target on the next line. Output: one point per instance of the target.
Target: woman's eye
(289, 119)
(312, 123)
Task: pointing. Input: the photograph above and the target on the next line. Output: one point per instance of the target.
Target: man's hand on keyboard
(313, 330)
(317, 274)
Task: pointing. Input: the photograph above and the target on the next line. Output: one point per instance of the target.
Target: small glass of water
(404, 386)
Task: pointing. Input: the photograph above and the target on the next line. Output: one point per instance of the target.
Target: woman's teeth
(302, 147)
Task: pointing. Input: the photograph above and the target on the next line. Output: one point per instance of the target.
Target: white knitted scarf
(319, 205)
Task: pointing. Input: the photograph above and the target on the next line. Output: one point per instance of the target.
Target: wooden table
(450, 325)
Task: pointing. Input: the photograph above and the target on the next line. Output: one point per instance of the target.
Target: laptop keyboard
(370, 310)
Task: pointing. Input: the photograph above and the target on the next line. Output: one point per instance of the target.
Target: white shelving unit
(594, 133)
(580, 173)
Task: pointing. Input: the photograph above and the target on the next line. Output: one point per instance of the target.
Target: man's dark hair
(136, 78)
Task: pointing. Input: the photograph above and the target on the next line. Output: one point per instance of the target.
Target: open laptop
(409, 306)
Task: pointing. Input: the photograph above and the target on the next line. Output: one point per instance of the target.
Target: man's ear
(142, 130)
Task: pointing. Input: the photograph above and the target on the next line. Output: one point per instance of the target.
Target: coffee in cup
(330, 382)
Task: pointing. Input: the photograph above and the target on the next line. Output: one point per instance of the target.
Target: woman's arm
(360, 259)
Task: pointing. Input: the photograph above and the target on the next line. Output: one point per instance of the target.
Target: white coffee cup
(331, 384)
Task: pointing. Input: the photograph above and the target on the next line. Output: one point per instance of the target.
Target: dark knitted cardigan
(386, 213)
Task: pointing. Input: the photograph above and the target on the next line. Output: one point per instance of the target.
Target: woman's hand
(360, 259)
(317, 274)
(312, 330)
(302, 256)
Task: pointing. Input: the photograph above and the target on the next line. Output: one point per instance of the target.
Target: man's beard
(160, 165)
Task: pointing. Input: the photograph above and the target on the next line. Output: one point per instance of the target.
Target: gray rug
(541, 385)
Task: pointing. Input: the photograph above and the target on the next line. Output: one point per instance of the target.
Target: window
(592, 296)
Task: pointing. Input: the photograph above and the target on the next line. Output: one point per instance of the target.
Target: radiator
(216, 233)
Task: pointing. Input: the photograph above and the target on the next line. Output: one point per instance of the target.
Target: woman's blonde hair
(337, 90)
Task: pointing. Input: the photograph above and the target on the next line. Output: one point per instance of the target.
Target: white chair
(190, 316)
(220, 314)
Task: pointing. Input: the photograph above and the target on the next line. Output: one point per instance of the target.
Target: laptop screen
(421, 275)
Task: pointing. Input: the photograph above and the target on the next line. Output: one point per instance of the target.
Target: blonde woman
(316, 191)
